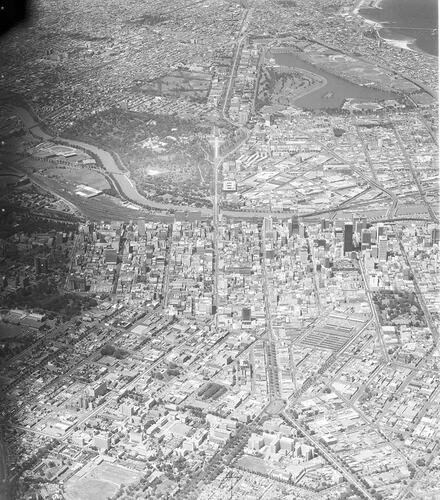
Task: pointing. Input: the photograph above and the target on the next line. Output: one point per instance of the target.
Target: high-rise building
(360, 224)
(141, 227)
(304, 255)
(79, 283)
(307, 452)
(295, 224)
(41, 265)
(380, 228)
(255, 442)
(102, 441)
(268, 225)
(110, 256)
(325, 224)
(246, 314)
(339, 234)
(348, 237)
(382, 248)
(365, 239)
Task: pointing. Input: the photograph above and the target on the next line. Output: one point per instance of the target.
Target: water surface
(337, 90)
(412, 20)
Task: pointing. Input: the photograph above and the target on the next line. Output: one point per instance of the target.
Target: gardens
(399, 308)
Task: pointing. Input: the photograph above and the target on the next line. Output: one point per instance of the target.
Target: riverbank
(126, 187)
(336, 90)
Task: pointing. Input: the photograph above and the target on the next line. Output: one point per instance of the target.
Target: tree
(108, 350)
(120, 353)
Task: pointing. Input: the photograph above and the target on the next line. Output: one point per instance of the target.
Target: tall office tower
(360, 224)
(295, 224)
(41, 265)
(435, 236)
(268, 224)
(246, 314)
(357, 226)
(348, 237)
(141, 227)
(339, 234)
(366, 238)
(79, 283)
(102, 441)
(380, 230)
(382, 248)
(325, 224)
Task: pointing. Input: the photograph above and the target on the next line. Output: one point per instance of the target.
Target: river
(126, 186)
(124, 183)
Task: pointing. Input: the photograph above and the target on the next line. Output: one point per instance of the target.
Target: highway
(242, 38)
(315, 274)
(257, 82)
(218, 160)
(215, 205)
(231, 81)
(374, 311)
(273, 379)
(72, 256)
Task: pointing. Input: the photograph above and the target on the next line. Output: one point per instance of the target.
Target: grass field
(253, 464)
(57, 148)
(85, 489)
(100, 483)
(284, 86)
(343, 65)
(192, 85)
(7, 179)
(8, 331)
(81, 176)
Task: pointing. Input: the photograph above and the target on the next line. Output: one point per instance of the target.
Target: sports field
(100, 483)
(80, 176)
